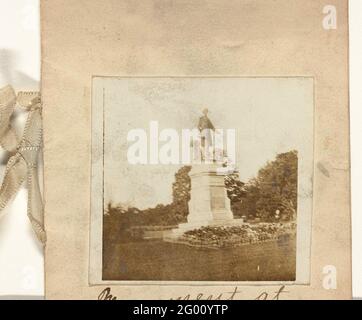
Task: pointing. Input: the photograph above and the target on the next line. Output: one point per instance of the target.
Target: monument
(209, 204)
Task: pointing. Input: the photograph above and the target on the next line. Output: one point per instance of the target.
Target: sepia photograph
(202, 179)
(180, 151)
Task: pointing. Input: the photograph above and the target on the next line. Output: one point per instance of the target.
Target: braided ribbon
(22, 165)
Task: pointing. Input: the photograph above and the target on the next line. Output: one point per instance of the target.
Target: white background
(21, 258)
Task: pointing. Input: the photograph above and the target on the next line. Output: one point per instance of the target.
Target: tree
(181, 193)
(235, 191)
(274, 188)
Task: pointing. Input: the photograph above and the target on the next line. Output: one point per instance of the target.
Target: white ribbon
(22, 165)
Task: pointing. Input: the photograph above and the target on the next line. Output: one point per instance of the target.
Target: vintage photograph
(201, 179)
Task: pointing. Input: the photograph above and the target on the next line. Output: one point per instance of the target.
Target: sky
(269, 115)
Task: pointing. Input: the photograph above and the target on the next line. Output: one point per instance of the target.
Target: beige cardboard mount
(164, 38)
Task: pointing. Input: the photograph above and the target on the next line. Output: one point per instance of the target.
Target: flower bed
(237, 235)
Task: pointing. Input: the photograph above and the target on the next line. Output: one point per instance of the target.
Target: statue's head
(205, 111)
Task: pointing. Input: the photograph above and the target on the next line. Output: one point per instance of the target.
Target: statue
(209, 204)
(206, 127)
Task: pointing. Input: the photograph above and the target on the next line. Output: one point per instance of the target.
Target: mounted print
(196, 149)
(201, 179)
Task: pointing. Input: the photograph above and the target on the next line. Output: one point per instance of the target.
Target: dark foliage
(271, 196)
(118, 220)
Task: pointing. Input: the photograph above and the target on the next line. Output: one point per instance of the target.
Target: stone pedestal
(209, 204)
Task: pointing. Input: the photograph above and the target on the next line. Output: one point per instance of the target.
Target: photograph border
(303, 243)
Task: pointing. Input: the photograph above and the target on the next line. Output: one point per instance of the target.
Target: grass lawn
(159, 260)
